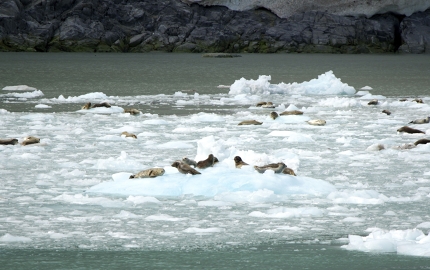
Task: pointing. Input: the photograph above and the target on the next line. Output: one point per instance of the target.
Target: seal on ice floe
(420, 121)
(8, 141)
(130, 135)
(132, 111)
(373, 102)
(418, 100)
(294, 112)
(274, 115)
(289, 171)
(238, 162)
(317, 122)
(88, 106)
(422, 141)
(184, 168)
(276, 167)
(409, 130)
(149, 173)
(249, 122)
(189, 161)
(387, 112)
(209, 162)
(265, 104)
(30, 140)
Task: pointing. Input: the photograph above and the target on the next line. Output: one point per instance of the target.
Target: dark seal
(209, 162)
(409, 130)
(249, 122)
(8, 141)
(184, 168)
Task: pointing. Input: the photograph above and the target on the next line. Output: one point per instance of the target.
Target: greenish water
(161, 73)
(288, 256)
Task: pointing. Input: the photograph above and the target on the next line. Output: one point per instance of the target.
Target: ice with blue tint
(357, 185)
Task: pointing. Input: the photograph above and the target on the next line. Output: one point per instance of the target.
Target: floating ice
(12, 238)
(19, 88)
(33, 94)
(325, 84)
(406, 242)
(96, 96)
(42, 106)
(103, 110)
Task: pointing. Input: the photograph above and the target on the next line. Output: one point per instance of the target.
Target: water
(52, 218)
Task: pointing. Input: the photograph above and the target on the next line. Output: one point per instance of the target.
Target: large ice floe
(359, 183)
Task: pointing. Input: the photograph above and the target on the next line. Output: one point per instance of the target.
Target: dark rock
(415, 32)
(173, 26)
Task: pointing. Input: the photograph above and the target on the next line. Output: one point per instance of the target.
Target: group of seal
(274, 115)
(26, 141)
(279, 167)
(88, 106)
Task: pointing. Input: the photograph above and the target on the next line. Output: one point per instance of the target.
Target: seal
(294, 112)
(422, 141)
(276, 167)
(418, 100)
(420, 121)
(409, 130)
(249, 122)
(316, 122)
(149, 173)
(387, 112)
(189, 161)
(132, 111)
(103, 104)
(131, 135)
(265, 104)
(238, 162)
(373, 102)
(8, 141)
(30, 140)
(184, 168)
(289, 171)
(274, 115)
(87, 106)
(209, 162)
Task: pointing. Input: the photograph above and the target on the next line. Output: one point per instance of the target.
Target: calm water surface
(161, 73)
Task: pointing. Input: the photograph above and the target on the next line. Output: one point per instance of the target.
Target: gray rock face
(174, 26)
(287, 8)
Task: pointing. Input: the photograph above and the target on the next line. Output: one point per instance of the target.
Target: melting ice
(353, 177)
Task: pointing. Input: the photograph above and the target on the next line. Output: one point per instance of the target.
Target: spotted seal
(209, 162)
(132, 111)
(418, 100)
(103, 104)
(8, 141)
(276, 167)
(249, 122)
(30, 140)
(317, 122)
(87, 106)
(189, 161)
(274, 115)
(288, 171)
(294, 112)
(409, 130)
(130, 135)
(265, 104)
(373, 102)
(420, 121)
(238, 162)
(387, 112)
(184, 168)
(149, 173)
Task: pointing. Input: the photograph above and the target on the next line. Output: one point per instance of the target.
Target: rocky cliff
(176, 26)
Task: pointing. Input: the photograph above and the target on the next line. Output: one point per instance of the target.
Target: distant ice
(405, 242)
(19, 88)
(42, 106)
(325, 84)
